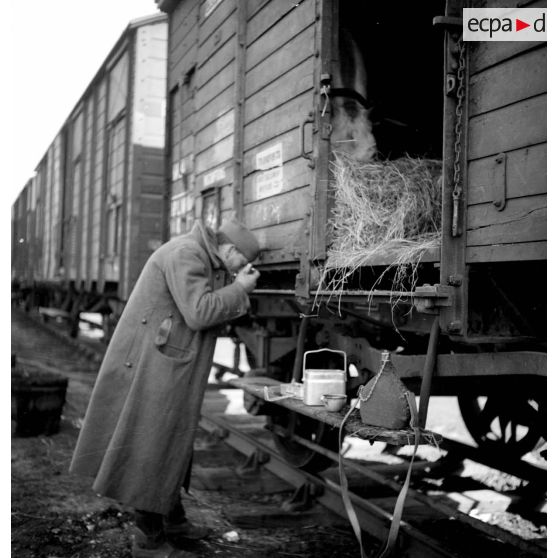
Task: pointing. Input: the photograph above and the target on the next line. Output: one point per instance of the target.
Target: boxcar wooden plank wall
(32, 234)
(115, 196)
(30, 228)
(214, 131)
(98, 179)
(144, 204)
(53, 205)
(27, 229)
(46, 169)
(20, 242)
(183, 81)
(74, 192)
(241, 82)
(39, 224)
(506, 151)
(87, 188)
(201, 78)
(280, 62)
(41, 172)
(57, 205)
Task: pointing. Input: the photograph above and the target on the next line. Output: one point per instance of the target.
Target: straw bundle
(390, 209)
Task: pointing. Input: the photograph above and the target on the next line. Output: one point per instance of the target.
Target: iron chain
(457, 187)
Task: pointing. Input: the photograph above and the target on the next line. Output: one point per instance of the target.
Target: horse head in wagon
(351, 124)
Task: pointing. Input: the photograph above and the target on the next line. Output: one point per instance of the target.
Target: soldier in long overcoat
(138, 431)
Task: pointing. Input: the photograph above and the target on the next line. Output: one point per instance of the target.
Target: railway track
(431, 528)
(432, 525)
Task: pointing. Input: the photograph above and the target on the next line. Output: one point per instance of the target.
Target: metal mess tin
(323, 381)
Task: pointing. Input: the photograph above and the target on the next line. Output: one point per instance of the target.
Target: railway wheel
(310, 429)
(508, 424)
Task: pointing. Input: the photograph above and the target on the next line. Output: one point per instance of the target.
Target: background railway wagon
(27, 238)
(249, 133)
(97, 193)
(20, 218)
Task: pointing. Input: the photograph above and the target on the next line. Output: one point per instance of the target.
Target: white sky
(54, 48)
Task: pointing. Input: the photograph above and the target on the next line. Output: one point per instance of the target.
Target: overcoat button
(128, 365)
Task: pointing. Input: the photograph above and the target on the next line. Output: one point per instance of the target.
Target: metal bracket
(307, 155)
(302, 498)
(216, 437)
(448, 22)
(451, 84)
(428, 299)
(303, 278)
(499, 190)
(253, 464)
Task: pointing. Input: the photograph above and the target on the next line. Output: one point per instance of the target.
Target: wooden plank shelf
(354, 426)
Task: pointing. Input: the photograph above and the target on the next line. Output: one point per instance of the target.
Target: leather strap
(349, 93)
(351, 514)
(400, 502)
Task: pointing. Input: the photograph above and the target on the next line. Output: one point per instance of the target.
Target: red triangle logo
(519, 25)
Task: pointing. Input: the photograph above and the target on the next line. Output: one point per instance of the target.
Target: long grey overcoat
(138, 431)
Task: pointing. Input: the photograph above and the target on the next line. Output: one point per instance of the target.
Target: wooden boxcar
(249, 133)
(96, 202)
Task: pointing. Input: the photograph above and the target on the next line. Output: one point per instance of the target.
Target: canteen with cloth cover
(383, 400)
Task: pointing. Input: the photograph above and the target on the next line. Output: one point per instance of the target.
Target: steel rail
(516, 467)
(374, 519)
(532, 547)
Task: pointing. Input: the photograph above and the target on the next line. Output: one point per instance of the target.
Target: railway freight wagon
(93, 213)
(265, 102)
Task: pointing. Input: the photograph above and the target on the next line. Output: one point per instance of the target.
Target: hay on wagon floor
(384, 209)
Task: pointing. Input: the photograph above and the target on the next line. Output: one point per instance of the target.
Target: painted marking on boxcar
(269, 183)
(270, 157)
(214, 176)
(267, 214)
(210, 6)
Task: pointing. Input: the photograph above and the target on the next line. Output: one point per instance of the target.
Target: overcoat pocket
(170, 353)
(172, 338)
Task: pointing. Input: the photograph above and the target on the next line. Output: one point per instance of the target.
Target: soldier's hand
(247, 277)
